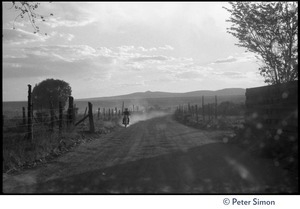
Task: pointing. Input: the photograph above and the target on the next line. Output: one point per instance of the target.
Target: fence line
(49, 119)
(32, 124)
(48, 116)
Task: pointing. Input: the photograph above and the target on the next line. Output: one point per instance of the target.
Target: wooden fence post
(216, 108)
(181, 107)
(85, 111)
(196, 108)
(51, 116)
(209, 111)
(60, 110)
(70, 111)
(24, 116)
(74, 114)
(92, 127)
(29, 115)
(98, 113)
(193, 110)
(203, 114)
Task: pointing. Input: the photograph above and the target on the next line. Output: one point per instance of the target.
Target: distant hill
(158, 94)
(145, 100)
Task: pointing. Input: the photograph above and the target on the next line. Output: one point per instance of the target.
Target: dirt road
(158, 155)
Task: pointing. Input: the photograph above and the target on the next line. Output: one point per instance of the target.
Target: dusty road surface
(157, 155)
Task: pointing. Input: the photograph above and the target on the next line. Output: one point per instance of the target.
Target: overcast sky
(107, 49)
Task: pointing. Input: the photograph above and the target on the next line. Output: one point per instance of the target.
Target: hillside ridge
(160, 94)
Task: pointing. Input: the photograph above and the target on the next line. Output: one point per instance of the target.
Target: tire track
(158, 155)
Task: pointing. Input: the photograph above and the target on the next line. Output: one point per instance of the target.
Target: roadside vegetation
(19, 153)
(231, 117)
(49, 131)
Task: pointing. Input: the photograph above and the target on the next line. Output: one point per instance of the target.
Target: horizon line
(136, 92)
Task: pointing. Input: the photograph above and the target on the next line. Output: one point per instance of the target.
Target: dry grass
(19, 152)
(222, 122)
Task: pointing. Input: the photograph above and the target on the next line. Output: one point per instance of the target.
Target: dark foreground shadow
(211, 169)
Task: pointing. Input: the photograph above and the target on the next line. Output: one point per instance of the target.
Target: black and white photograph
(151, 98)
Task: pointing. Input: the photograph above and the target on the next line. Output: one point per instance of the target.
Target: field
(19, 152)
(162, 103)
(48, 141)
(172, 136)
(155, 155)
(15, 108)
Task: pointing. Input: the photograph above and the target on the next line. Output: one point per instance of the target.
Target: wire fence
(36, 123)
(57, 118)
(44, 119)
(38, 119)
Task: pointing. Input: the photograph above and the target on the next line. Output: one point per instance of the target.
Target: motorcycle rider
(126, 114)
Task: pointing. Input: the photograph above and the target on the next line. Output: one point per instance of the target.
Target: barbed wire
(33, 132)
(19, 114)
(43, 123)
(48, 122)
(47, 117)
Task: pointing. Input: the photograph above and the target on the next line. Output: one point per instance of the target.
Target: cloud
(68, 15)
(17, 24)
(19, 36)
(125, 48)
(228, 59)
(131, 48)
(66, 53)
(140, 48)
(58, 22)
(231, 74)
(135, 66)
(149, 58)
(102, 63)
(166, 47)
(242, 57)
(141, 83)
(60, 60)
(76, 53)
(67, 36)
(131, 55)
(194, 75)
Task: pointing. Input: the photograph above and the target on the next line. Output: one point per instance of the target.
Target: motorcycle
(125, 120)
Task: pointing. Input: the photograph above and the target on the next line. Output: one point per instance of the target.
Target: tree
(28, 9)
(269, 29)
(50, 91)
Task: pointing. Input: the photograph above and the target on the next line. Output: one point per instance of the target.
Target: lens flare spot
(254, 115)
(279, 131)
(259, 126)
(285, 95)
(225, 140)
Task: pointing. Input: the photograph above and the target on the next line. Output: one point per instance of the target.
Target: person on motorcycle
(126, 115)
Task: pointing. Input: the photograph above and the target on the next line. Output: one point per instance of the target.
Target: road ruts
(157, 155)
